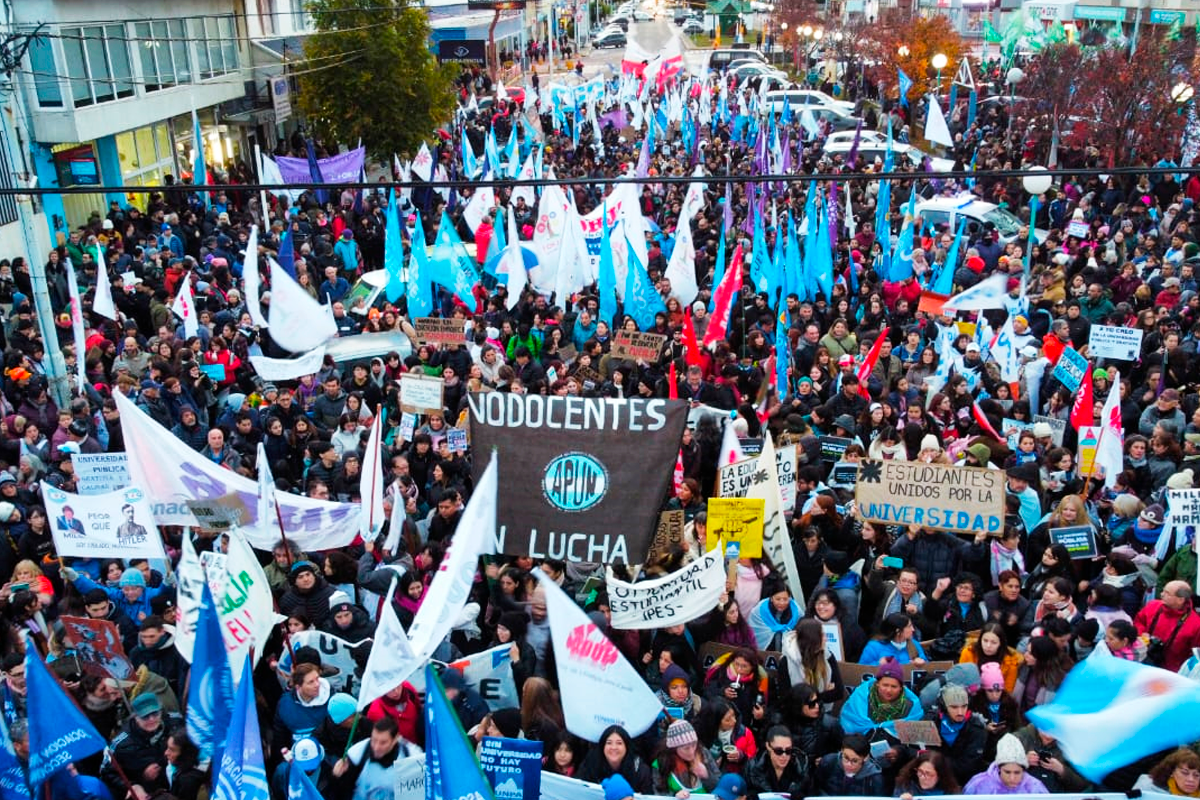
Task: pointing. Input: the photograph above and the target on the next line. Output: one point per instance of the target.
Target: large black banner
(581, 479)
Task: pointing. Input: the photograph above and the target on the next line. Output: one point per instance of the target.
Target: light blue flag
(944, 283)
(1033, 211)
(451, 265)
(13, 784)
(492, 152)
(778, 274)
(902, 261)
(1110, 712)
(59, 733)
(199, 170)
(210, 687)
(786, 117)
(451, 770)
(824, 257)
(719, 266)
(905, 84)
(760, 260)
(287, 250)
(608, 273)
(420, 293)
(642, 301)
(782, 353)
(513, 158)
(470, 161)
(496, 246)
(811, 267)
(241, 774)
(393, 249)
(300, 786)
(792, 269)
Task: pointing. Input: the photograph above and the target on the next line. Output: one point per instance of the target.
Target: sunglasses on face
(781, 751)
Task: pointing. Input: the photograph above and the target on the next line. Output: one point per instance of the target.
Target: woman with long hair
(896, 642)
(825, 607)
(1054, 562)
(615, 754)
(927, 775)
(807, 660)
(990, 647)
(1177, 774)
(1042, 673)
(541, 712)
(722, 732)
(1069, 512)
(727, 626)
(1055, 602)
(682, 766)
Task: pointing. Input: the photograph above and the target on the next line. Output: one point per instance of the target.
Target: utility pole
(13, 46)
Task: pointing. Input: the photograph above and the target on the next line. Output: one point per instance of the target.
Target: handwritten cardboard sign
(435, 330)
(637, 345)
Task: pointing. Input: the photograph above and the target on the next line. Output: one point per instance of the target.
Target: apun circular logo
(574, 482)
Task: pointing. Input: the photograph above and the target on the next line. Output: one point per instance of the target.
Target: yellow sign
(737, 519)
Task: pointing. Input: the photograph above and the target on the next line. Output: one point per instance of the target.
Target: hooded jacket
(313, 603)
(295, 717)
(989, 783)
(832, 780)
(163, 660)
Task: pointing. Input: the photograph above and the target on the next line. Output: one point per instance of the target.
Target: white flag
(573, 262)
(286, 369)
(693, 201)
(77, 332)
(1110, 448)
(490, 673)
(184, 307)
(422, 165)
(370, 482)
(481, 202)
(298, 322)
(266, 486)
(102, 303)
(189, 581)
(514, 262)
(548, 236)
(731, 447)
(243, 598)
(1005, 351)
(392, 658)
(597, 685)
(777, 544)
(526, 174)
(251, 279)
(448, 593)
(681, 269)
(989, 293)
(936, 129)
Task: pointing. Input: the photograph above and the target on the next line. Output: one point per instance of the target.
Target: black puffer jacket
(761, 778)
(314, 603)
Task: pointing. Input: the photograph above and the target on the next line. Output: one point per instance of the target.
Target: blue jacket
(876, 651)
(295, 719)
(137, 610)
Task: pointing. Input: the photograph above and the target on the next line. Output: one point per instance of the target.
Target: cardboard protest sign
(97, 642)
(1116, 342)
(420, 394)
(113, 525)
(100, 473)
(564, 463)
(637, 345)
(684, 595)
(914, 674)
(435, 330)
(1080, 540)
(668, 532)
(736, 520)
(832, 447)
(919, 732)
(219, 513)
(1070, 369)
(1183, 507)
(964, 499)
(513, 767)
(785, 462)
(590, 378)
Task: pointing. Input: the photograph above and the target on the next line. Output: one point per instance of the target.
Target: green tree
(370, 76)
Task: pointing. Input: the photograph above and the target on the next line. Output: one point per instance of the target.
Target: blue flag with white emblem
(210, 689)
(300, 786)
(59, 733)
(902, 263)
(608, 272)
(199, 169)
(451, 770)
(905, 84)
(469, 159)
(642, 301)
(241, 774)
(420, 293)
(287, 250)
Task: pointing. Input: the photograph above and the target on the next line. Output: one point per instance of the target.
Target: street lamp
(939, 62)
(1039, 183)
(1012, 78)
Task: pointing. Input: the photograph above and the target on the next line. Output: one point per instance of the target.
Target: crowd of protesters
(1014, 613)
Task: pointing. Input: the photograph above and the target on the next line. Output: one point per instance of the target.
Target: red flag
(673, 383)
(1081, 412)
(864, 369)
(723, 300)
(982, 419)
(691, 348)
(677, 478)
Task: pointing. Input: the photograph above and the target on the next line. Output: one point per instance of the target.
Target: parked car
(719, 59)
(946, 211)
(611, 39)
(868, 152)
(693, 26)
(643, 16)
(798, 98)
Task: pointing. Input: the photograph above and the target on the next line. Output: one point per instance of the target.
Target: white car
(693, 26)
(642, 16)
(798, 98)
(751, 70)
(865, 137)
(946, 212)
(869, 151)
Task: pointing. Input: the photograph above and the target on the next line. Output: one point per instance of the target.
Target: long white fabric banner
(673, 599)
(285, 369)
(173, 473)
(116, 524)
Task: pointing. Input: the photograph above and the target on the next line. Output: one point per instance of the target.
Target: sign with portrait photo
(114, 525)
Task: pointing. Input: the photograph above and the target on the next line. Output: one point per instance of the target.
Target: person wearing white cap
(1008, 773)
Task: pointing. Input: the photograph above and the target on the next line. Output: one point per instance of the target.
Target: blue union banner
(581, 479)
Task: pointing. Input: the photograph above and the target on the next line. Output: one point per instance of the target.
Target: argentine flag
(1110, 712)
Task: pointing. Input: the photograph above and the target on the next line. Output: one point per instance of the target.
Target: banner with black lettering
(581, 479)
(674, 599)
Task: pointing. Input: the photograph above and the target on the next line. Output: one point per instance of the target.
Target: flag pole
(282, 533)
(353, 730)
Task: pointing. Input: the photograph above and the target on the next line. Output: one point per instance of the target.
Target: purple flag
(342, 168)
(833, 215)
(852, 156)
